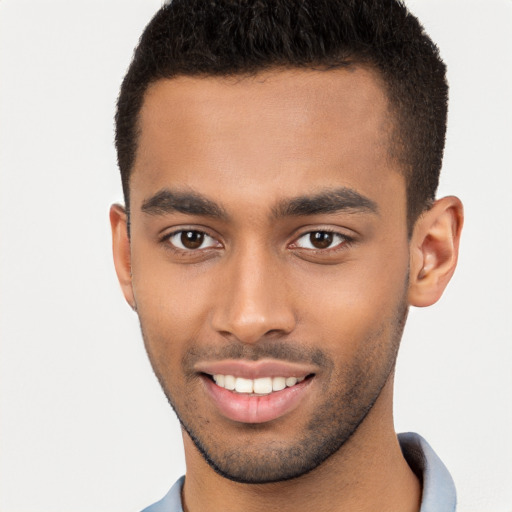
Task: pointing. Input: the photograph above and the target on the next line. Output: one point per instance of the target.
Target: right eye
(191, 240)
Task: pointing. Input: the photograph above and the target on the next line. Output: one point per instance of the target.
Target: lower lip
(246, 408)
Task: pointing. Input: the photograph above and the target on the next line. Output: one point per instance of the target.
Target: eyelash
(345, 242)
(169, 244)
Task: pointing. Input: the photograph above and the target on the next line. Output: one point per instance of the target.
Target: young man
(279, 162)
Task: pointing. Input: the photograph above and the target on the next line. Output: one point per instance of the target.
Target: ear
(434, 251)
(121, 250)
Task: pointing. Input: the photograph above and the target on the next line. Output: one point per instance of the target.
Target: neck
(368, 473)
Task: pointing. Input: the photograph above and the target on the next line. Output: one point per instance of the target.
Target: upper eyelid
(165, 235)
(184, 227)
(334, 231)
(346, 238)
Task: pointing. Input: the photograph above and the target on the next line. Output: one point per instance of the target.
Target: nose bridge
(255, 299)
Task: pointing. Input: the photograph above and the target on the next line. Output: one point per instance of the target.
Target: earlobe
(121, 251)
(434, 251)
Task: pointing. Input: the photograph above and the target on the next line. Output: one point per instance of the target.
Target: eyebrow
(329, 201)
(166, 201)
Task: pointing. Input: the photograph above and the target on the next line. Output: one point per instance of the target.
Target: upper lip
(254, 369)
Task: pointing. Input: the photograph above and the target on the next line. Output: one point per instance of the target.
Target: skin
(256, 288)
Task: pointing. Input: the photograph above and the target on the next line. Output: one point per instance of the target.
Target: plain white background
(84, 425)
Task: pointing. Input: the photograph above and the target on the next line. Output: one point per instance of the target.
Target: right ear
(121, 250)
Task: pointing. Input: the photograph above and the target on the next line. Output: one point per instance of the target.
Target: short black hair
(237, 37)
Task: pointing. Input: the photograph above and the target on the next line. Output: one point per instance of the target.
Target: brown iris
(321, 239)
(192, 239)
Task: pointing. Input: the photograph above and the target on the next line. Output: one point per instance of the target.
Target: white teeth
(261, 386)
(278, 383)
(229, 382)
(291, 381)
(243, 385)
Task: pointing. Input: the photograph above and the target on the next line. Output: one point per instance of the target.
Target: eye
(319, 240)
(190, 240)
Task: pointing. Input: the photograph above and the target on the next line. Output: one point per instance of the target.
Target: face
(269, 254)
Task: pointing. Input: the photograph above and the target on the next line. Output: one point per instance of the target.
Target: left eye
(189, 240)
(320, 240)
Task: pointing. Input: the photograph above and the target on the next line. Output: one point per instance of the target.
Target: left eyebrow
(328, 201)
(192, 203)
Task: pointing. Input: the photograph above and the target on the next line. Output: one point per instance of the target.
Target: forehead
(282, 129)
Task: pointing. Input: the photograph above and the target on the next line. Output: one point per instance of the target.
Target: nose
(254, 298)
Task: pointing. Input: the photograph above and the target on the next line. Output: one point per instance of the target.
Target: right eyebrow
(168, 201)
(324, 202)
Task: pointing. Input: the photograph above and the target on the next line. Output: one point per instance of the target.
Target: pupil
(321, 239)
(192, 239)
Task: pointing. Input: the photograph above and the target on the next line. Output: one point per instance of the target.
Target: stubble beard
(334, 421)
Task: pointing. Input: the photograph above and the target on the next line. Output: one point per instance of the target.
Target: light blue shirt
(438, 487)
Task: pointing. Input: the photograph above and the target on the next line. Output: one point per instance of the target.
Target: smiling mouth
(259, 399)
(256, 387)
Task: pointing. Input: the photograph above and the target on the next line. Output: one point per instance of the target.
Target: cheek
(171, 304)
(361, 300)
